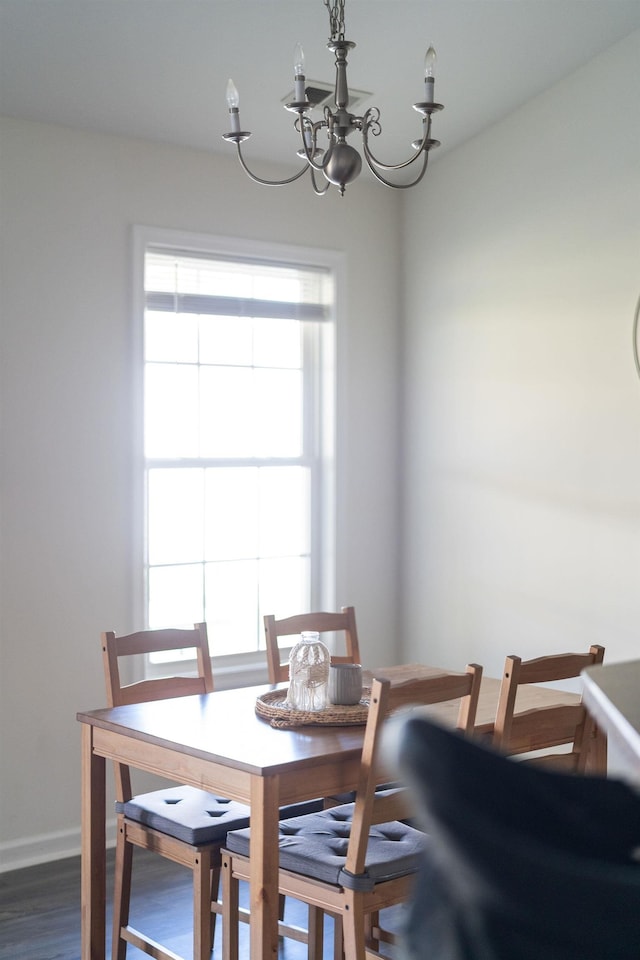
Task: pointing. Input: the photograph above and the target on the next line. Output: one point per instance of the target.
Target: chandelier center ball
(344, 164)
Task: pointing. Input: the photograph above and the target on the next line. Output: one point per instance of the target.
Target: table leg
(264, 868)
(93, 858)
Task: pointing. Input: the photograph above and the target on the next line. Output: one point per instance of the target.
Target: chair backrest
(155, 641)
(542, 728)
(521, 861)
(387, 698)
(144, 642)
(343, 622)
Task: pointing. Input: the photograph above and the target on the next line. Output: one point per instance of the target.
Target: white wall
(522, 406)
(69, 201)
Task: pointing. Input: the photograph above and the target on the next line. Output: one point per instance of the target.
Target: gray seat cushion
(188, 814)
(350, 796)
(300, 809)
(195, 816)
(316, 846)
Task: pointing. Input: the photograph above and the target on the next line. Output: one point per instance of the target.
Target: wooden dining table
(217, 742)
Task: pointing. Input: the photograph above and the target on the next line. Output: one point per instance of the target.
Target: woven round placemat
(272, 706)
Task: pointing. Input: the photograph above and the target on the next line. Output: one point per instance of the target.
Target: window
(237, 428)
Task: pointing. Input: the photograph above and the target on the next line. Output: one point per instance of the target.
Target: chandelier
(336, 160)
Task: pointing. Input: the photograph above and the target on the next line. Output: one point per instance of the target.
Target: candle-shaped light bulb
(298, 61)
(430, 63)
(429, 74)
(233, 99)
(298, 73)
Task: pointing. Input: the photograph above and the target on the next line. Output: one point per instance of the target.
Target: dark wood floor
(40, 911)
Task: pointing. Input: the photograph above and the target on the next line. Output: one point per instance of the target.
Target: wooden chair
(290, 628)
(338, 861)
(343, 622)
(183, 824)
(542, 728)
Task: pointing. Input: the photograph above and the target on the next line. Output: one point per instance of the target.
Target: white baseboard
(45, 847)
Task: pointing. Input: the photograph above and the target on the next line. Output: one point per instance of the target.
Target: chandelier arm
(319, 192)
(374, 162)
(326, 156)
(399, 186)
(308, 153)
(328, 122)
(269, 183)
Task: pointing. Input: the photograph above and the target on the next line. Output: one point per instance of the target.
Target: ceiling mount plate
(318, 93)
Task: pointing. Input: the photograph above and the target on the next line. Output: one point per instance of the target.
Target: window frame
(249, 667)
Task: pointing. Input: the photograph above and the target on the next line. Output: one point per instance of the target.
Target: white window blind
(187, 284)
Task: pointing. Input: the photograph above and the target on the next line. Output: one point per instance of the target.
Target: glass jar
(309, 664)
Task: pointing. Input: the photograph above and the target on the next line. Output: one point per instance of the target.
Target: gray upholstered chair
(521, 861)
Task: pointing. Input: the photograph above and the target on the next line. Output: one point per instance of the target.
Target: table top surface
(224, 727)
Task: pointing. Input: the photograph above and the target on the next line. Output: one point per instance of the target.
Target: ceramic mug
(345, 683)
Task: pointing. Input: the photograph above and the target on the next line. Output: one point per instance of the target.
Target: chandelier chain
(336, 18)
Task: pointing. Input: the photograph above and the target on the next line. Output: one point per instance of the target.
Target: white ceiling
(158, 68)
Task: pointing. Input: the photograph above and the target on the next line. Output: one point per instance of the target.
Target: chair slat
(162, 688)
(562, 666)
